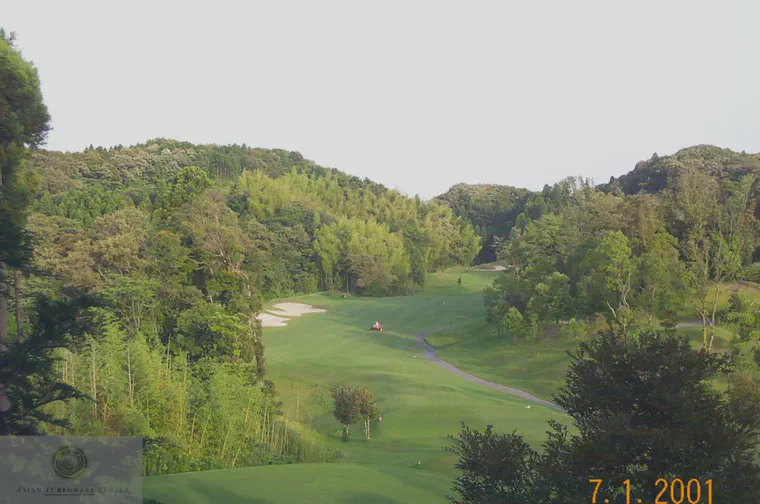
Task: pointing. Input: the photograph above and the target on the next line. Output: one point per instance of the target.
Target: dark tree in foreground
(643, 409)
(27, 369)
(24, 123)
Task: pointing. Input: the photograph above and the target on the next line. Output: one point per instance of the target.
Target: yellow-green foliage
(193, 415)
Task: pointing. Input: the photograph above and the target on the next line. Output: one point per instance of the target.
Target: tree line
(634, 259)
(303, 227)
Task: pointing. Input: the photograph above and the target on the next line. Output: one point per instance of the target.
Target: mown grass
(748, 290)
(538, 367)
(301, 483)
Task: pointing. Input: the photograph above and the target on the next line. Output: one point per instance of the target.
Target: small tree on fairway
(513, 323)
(574, 329)
(346, 409)
(367, 408)
(532, 327)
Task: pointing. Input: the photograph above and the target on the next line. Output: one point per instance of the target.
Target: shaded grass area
(301, 483)
(694, 333)
(748, 290)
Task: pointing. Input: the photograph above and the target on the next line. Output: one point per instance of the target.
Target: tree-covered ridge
(660, 172)
(633, 259)
(288, 209)
(161, 158)
(492, 209)
(495, 209)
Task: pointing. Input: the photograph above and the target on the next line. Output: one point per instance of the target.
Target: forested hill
(659, 173)
(291, 225)
(495, 210)
(492, 209)
(161, 158)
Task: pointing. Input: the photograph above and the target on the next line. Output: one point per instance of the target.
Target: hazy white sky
(416, 95)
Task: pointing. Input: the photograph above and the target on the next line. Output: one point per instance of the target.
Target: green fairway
(421, 404)
(307, 483)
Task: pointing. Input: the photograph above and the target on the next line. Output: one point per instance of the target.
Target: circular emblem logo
(69, 462)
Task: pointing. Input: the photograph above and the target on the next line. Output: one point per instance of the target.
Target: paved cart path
(431, 356)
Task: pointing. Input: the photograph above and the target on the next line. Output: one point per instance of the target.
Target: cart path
(691, 323)
(431, 356)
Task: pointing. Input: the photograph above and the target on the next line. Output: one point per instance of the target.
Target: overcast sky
(416, 95)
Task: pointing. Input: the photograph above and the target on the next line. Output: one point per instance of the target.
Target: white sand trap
(269, 320)
(278, 315)
(294, 309)
(492, 267)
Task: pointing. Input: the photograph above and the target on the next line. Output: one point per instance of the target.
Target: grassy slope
(421, 403)
(301, 483)
(750, 291)
(537, 368)
(540, 368)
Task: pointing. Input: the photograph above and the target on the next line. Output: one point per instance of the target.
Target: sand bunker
(492, 267)
(269, 320)
(278, 315)
(294, 309)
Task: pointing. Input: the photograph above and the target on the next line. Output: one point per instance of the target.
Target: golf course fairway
(420, 403)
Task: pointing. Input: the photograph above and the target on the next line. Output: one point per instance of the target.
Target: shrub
(575, 329)
(750, 273)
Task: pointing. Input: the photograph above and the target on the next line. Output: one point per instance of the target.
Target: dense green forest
(297, 227)
(647, 246)
(604, 252)
(494, 210)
